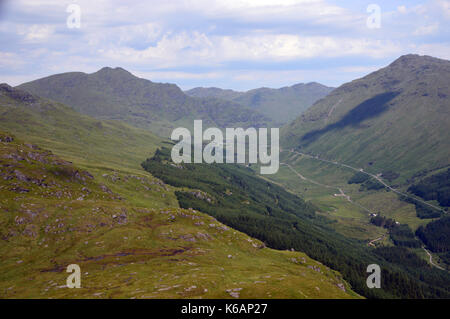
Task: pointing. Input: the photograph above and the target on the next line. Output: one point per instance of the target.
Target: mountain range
(116, 94)
(281, 105)
(86, 177)
(73, 192)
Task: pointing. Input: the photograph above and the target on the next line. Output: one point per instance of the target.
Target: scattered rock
(188, 237)
(30, 231)
(105, 189)
(6, 139)
(235, 293)
(19, 220)
(202, 195)
(21, 177)
(341, 286)
(315, 268)
(203, 236)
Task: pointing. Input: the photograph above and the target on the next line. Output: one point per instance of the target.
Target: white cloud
(248, 79)
(359, 69)
(401, 9)
(175, 75)
(438, 50)
(209, 34)
(200, 49)
(426, 30)
(10, 60)
(125, 35)
(36, 32)
(265, 8)
(444, 7)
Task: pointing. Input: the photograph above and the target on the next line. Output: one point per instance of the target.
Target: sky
(232, 44)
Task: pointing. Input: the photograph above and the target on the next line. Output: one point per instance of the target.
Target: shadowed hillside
(396, 118)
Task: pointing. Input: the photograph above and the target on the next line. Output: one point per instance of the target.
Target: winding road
(378, 178)
(431, 259)
(371, 243)
(341, 192)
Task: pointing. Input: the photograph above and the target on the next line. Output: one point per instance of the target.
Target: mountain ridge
(114, 93)
(281, 105)
(357, 121)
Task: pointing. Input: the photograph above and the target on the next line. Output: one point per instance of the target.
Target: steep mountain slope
(281, 105)
(117, 94)
(394, 119)
(378, 146)
(77, 137)
(53, 214)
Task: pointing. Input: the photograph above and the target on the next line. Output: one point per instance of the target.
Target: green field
(321, 187)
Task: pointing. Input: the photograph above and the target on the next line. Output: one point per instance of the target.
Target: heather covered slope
(281, 105)
(119, 95)
(396, 118)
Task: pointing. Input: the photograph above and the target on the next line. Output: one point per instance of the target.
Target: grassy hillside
(281, 105)
(54, 214)
(116, 94)
(394, 119)
(77, 137)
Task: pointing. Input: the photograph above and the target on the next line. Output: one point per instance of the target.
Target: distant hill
(281, 105)
(214, 92)
(116, 94)
(396, 119)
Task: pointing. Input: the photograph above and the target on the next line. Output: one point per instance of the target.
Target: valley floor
(324, 183)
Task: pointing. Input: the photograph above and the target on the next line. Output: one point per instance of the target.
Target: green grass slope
(77, 137)
(53, 214)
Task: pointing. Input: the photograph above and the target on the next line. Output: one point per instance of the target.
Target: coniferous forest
(235, 196)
